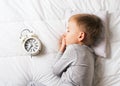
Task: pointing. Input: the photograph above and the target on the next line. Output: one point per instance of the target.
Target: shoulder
(85, 55)
(79, 48)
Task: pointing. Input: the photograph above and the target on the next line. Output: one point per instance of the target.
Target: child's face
(73, 32)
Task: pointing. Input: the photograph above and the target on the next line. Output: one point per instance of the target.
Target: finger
(64, 41)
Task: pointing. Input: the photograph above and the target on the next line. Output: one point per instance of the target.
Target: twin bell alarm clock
(30, 42)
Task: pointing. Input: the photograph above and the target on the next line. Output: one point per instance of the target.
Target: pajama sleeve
(64, 61)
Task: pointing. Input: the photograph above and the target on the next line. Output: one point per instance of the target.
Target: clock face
(32, 45)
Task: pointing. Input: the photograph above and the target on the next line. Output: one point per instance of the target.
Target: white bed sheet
(46, 18)
(15, 71)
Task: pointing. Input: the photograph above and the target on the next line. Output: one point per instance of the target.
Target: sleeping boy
(75, 59)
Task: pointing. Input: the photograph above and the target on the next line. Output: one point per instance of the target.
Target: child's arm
(64, 61)
(62, 46)
(61, 65)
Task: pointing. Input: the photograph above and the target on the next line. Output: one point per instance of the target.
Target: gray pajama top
(75, 66)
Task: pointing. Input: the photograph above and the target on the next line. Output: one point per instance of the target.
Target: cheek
(70, 38)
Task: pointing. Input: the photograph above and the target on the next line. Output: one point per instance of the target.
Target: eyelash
(67, 31)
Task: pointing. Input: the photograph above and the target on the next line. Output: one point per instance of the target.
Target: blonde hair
(93, 27)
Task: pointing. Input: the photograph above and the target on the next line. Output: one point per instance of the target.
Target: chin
(67, 44)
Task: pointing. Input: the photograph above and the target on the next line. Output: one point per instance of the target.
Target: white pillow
(101, 48)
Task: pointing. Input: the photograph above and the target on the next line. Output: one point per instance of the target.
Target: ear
(81, 36)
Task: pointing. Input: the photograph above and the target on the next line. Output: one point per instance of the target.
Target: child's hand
(62, 44)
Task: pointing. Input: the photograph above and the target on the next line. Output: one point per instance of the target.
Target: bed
(47, 19)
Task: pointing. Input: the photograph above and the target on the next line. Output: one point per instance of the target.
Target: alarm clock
(30, 42)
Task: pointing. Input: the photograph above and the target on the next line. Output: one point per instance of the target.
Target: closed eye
(67, 30)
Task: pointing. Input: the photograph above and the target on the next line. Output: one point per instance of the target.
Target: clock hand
(30, 47)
